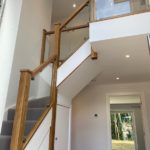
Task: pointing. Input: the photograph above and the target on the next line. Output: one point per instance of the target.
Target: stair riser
(38, 103)
(7, 128)
(35, 109)
(5, 143)
(33, 114)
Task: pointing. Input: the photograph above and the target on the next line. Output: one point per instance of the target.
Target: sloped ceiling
(114, 63)
(111, 63)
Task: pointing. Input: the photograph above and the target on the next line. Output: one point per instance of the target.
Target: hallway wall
(90, 132)
(8, 34)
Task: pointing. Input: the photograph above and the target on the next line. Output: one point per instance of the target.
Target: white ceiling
(113, 63)
(63, 8)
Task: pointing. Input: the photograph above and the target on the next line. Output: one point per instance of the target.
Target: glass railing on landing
(72, 40)
(107, 9)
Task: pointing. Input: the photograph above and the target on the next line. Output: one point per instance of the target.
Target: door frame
(144, 116)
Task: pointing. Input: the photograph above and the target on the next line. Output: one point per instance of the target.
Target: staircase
(35, 109)
(26, 122)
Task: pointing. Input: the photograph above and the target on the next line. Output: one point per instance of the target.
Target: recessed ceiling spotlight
(117, 78)
(74, 5)
(127, 56)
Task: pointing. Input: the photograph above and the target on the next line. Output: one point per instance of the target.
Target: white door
(62, 128)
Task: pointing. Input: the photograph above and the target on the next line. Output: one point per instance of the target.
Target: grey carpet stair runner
(35, 109)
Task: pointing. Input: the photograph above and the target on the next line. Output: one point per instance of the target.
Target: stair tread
(35, 109)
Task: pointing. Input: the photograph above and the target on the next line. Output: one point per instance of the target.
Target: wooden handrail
(70, 28)
(37, 70)
(76, 27)
(74, 14)
(36, 126)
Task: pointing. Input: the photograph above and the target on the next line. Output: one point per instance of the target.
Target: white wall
(35, 16)
(8, 35)
(89, 132)
(20, 43)
(120, 27)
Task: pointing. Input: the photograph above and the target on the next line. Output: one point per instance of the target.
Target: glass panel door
(123, 131)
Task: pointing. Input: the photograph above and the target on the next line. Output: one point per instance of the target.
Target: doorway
(126, 123)
(123, 131)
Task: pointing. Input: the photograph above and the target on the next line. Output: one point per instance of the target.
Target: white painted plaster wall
(8, 35)
(89, 132)
(20, 43)
(120, 27)
(35, 16)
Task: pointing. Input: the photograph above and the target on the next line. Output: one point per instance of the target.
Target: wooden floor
(123, 145)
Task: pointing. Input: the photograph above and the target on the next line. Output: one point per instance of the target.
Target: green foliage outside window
(121, 126)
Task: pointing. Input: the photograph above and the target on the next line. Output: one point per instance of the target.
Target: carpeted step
(4, 142)
(35, 109)
(42, 102)
(32, 114)
(7, 127)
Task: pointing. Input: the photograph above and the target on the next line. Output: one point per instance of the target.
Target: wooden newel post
(43, 46)
(92, 10)
(21, 110)
(54, 84)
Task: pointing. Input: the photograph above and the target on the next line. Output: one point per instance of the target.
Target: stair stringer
(40, 139)
(80, 78)
(71, 64)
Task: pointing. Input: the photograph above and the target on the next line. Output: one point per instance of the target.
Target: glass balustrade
(72, 40)
(105, 9)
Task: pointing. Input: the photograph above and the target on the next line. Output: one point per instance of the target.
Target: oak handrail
(37, 70)
(70, 28)
(74, 14)
(36, 126)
